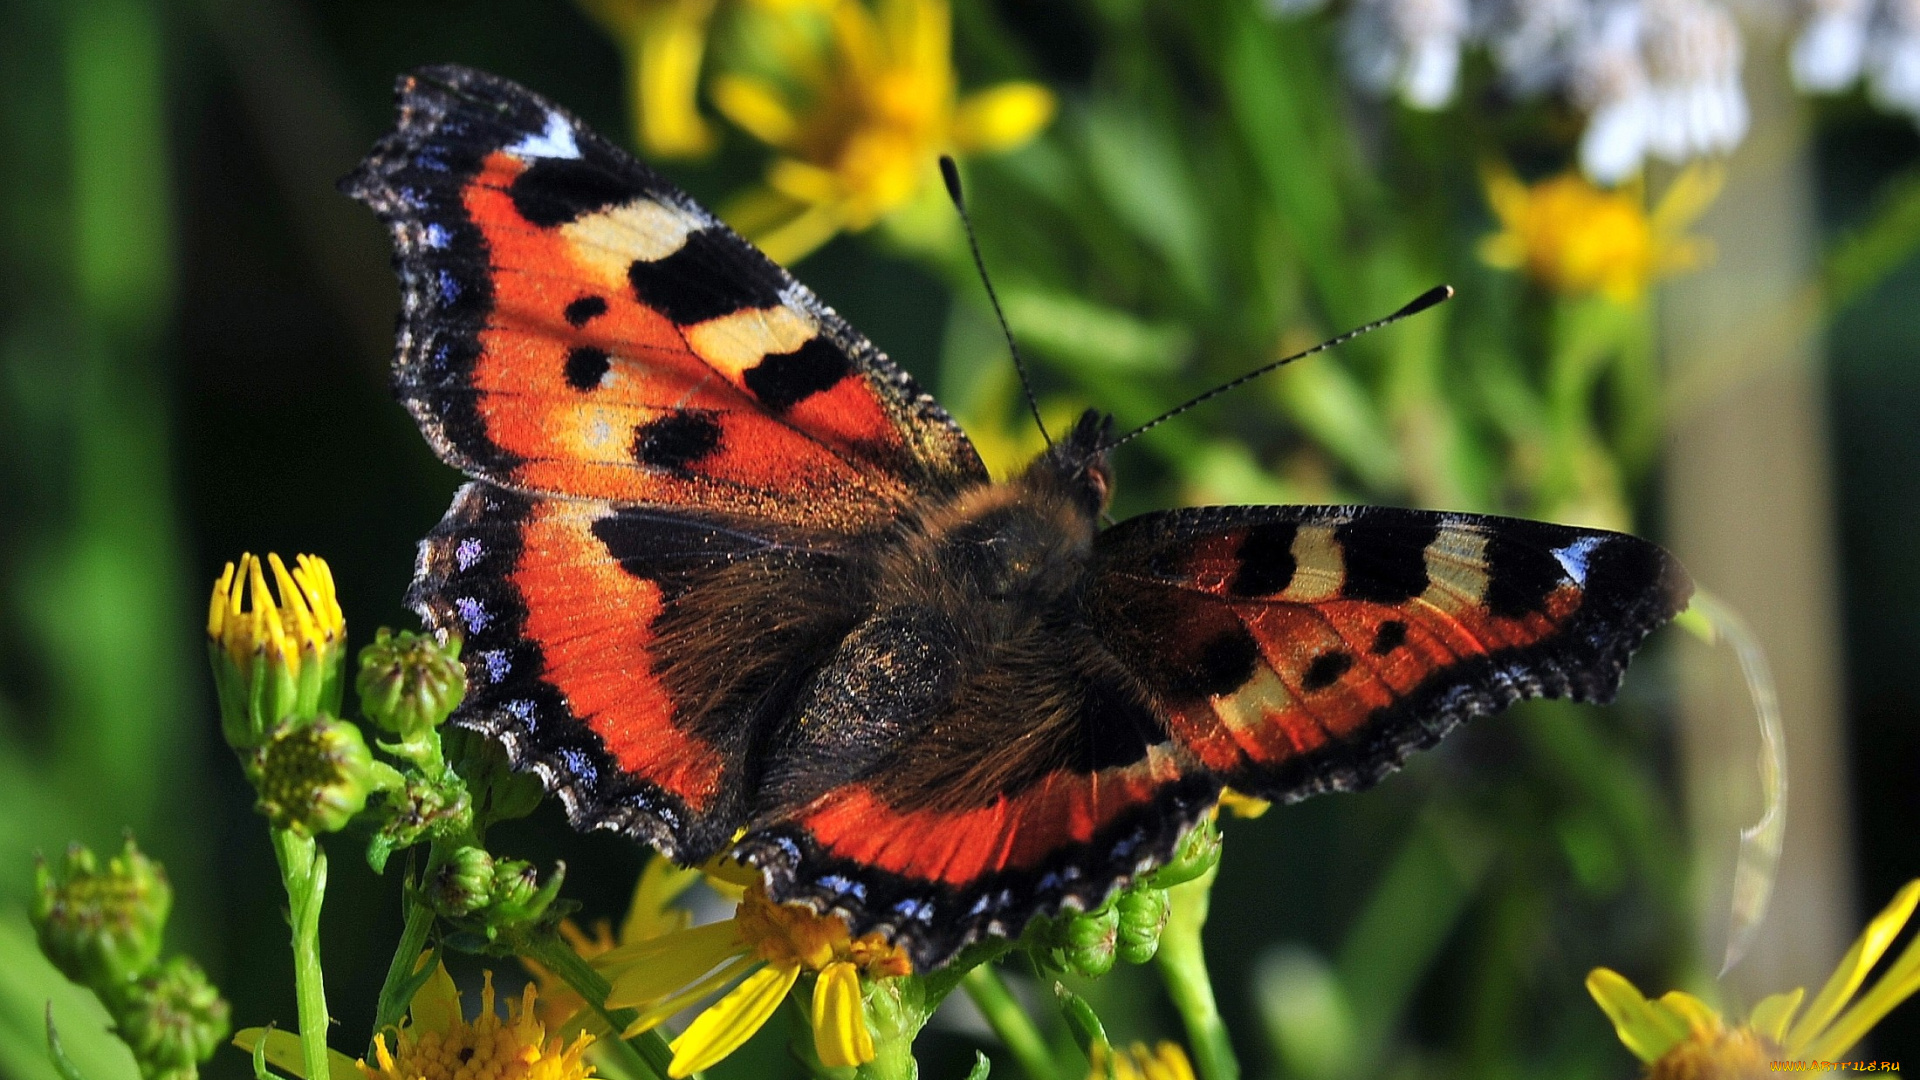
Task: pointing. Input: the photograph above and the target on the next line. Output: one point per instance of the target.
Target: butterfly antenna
(1437, 294)
(950, 172)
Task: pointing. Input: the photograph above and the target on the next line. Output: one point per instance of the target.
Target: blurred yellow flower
(860, 128)
(1575, 238)
(1165, 1061)
(664, 42)
(770, 945)
(1681, 1038)
(437, 1043)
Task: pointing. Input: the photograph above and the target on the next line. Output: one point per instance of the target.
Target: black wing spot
(585, 366)
(1326, 670)
(1224, 664)
(585, 310)
(711, 275)
(1521, 569)
(555, 191)
(675, 441)
(783, 380)
(1385, 564)
(1391, 635)
(1266, 560)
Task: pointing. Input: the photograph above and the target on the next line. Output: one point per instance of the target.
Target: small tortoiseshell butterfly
(722, 566)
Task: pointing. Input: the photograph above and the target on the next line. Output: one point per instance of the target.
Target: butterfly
(729, 581)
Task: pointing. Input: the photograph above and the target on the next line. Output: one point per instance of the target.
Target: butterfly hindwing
(1297, 650)
(978, 790)
(630, 656)
(572, 324)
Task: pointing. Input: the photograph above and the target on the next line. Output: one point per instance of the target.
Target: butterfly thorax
(1011, 551)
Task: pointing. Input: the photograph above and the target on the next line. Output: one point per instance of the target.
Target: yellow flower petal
(1771, 1017)
(651, 914)
(664, 1009)
(1643, 1027)
(731, 1021)
(1901, 982)
(436, 1005)
(1852, 970)
(757, 108)
(840, 1034)
(283, 1052)
(671, 41)
(1002, 117)
(800, 235)
(646, 971)
(1243, 806)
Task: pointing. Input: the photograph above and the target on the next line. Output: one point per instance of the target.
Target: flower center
(787, 934)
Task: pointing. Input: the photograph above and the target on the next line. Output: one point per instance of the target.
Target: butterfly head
(1077, 465)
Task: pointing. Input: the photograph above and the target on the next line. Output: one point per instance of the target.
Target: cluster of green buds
(102, 927)
(489, 895)
(1127, 927)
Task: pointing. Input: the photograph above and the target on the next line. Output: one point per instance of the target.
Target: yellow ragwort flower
(1681, 1038)
(1576, 239)
(866, 116)
(437, 1043)
(761, 952)
(664, 42)
(306, 621)
(274, 657)
(1165, 1061)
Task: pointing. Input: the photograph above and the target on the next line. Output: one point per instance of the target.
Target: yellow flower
(650, 914)
(664, 42)
(1166, 1061)
(761, 952)
(305, 622)
(1575, 238)
(436, 1043)
(274, 657)
(870, 110)
(1681, 1038)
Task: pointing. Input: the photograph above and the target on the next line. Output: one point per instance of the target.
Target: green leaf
(58, 1053)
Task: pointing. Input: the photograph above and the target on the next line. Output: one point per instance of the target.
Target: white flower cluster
(1657, 78)
(1841, 40)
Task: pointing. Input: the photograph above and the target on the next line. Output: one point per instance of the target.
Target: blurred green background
(194, 338)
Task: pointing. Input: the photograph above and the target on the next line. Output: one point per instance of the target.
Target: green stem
(896, 1011)
(1009, 1021)
(396, 991)
(303, 871)
(647, 1050)
(1183, 967)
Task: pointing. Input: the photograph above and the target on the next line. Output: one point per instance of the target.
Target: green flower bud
(1084, 942)
(424, 809)
(409, 682)
(101, 928)
(173, 1020)
(518, 896)
(1197, 853)
(314, 777)
(464, 883)
(1143, 914)
(274, 659)
(499, 793)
